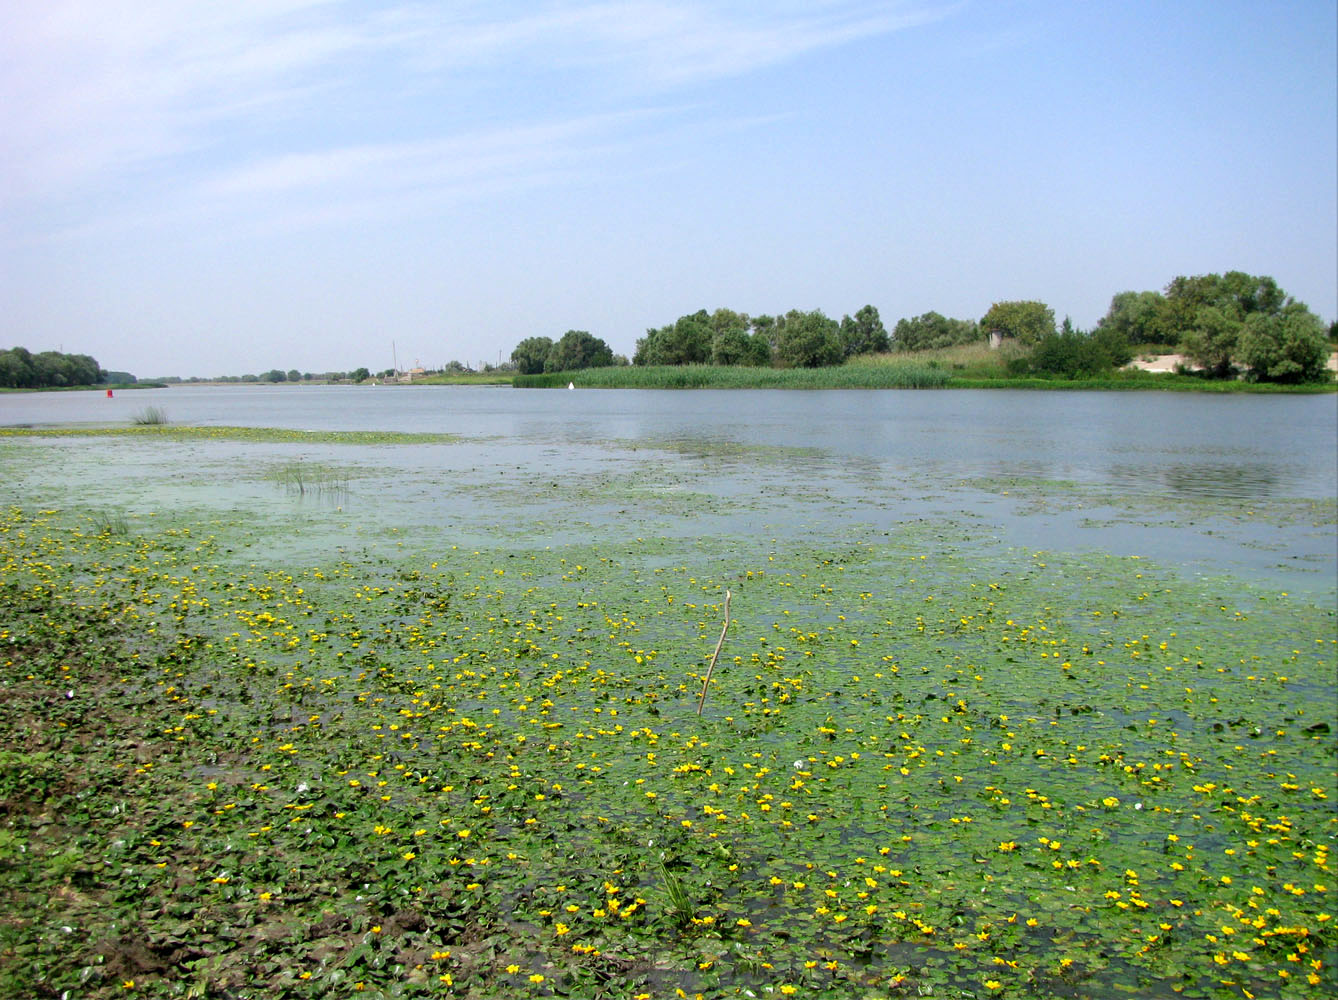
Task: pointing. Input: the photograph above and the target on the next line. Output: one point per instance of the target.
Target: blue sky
(207, 188)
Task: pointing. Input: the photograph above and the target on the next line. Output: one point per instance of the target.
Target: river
(1236, 486)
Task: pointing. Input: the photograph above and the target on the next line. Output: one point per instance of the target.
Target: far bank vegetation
(1228, 327)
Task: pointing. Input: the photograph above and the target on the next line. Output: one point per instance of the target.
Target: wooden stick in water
(714, 656)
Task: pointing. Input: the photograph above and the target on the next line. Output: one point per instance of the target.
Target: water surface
(1236, 486)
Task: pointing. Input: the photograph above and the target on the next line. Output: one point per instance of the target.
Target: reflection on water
(1240, 482)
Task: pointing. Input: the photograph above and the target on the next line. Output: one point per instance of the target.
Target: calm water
(1241, 485)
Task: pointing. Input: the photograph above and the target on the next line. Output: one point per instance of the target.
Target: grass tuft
(150, 416)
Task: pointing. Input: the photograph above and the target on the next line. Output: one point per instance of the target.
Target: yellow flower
(513, 969)
(537, 978)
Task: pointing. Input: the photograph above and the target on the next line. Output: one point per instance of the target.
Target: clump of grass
(303, 479)
(154, 416)
(111, 523)
(678, 904)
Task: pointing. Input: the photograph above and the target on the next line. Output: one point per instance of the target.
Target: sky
(223, 187)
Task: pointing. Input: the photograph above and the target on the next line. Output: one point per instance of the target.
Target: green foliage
(1236, 320)
(1288, 346)
(1137, 317)
(150, 416)
(1210, 341)
(1075, 354)
(686, 341)
(530, 355)
(931, 331)
(731, 347)
(1025, 321)
(849, 376)
(578, 349)
(317, 479)
(110, 522)
(360, 375)
(808, 340)
(371, 774)
(20, 369)
(863, 334)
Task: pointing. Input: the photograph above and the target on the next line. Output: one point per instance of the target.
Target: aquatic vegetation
(150, 416)
(478, 770)
(1057, 778)
(308, 478)
(277, 435)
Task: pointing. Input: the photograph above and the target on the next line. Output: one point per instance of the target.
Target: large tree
(1136, 316)
(808, 339)
(20, 369)
(1210, 314)
(932, 330)
(864, 333)
(577, 349)
(1026, 321)
(687, 341)
(531, 354)
(1288, 346)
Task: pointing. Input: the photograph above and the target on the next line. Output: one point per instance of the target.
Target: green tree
(760, 351)
(727, 319)
(1207, 313)
(932, 330)
(1026, 321)
(1288, 346)
(808, 340)
(1211, 341)
(531, 354)
(294, 375)
(864, 333)
(1073, 353)
(732, 344)
(687, 341)
(1136, 316)
(273, 375)
(577, 349)
(730, 347)
(360, 375)
(20, 369)
(765, 326)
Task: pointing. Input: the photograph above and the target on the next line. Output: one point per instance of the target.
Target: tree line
(21, 369)
(1229, 325)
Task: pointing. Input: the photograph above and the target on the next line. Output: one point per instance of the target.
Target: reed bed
(914, 376)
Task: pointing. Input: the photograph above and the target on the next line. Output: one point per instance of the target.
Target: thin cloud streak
(96, 92)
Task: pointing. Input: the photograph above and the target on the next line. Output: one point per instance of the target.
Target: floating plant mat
(397, 763)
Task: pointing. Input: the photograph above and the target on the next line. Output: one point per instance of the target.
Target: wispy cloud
(256, 96)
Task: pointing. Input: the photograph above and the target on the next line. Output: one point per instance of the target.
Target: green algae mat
(399, 765)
